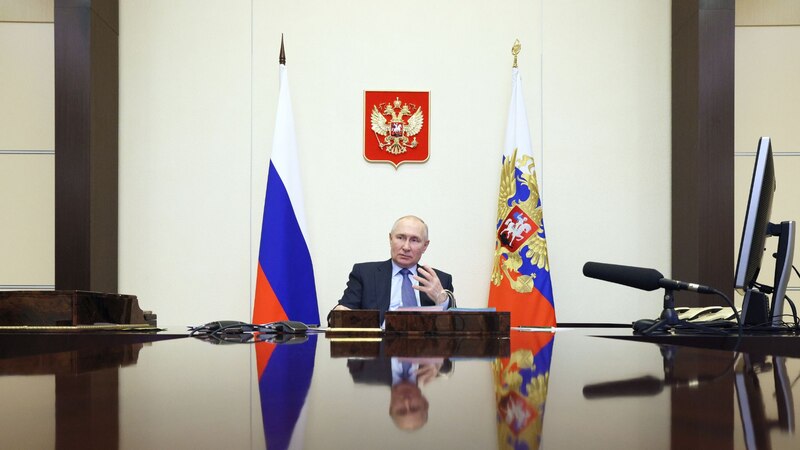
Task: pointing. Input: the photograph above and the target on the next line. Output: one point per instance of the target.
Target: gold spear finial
(515, 51)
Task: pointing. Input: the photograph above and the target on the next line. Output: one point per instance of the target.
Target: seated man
(399, 281)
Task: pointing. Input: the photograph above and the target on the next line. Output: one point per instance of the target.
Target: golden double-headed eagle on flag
(520, 225)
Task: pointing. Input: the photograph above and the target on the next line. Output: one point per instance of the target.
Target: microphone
(639, 278)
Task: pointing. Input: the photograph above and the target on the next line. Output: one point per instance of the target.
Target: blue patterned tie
(406, 374)
(409, 299)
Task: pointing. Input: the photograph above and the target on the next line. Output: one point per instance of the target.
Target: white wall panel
(27, 202)
(767, 89)
(184, 143)
(26, 11)
(606, 124)
(27, 86)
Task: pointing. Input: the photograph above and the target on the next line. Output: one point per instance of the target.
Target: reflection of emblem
(396, 130)
(396, 126)
(515, 411)
(520, 387)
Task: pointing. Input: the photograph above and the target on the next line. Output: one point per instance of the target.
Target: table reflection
(746, 372)
(756, 425)
(86, 380)
(521, 390)
(520, 366)
(530, 390)
(285, 366)
(408, 406)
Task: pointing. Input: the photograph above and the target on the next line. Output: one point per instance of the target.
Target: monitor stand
(783, 267)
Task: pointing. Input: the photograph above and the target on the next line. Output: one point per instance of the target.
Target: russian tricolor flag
(520, 281)
(285, 286)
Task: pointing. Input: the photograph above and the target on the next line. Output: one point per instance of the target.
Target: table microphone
(639, 278)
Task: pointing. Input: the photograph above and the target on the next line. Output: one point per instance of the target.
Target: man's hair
(424, 225)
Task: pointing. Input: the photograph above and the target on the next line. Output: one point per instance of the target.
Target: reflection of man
(408, 407)
(400, 281)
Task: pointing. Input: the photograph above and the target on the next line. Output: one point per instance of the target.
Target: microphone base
(647, 327)
(667, 320)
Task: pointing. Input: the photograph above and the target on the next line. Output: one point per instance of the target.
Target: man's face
(408, 241)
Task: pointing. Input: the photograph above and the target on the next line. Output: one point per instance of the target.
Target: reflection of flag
(284, 376)
(521, 272)
(521, 390)
(285, 286)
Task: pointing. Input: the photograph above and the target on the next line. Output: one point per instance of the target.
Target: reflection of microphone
(639, 278)
(647, 385)
(637, 387)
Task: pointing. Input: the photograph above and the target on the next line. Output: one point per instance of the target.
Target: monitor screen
(757, 216)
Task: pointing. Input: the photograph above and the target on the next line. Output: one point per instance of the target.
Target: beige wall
(768, 104)
(26, 144)
(197, 103)
(196, 117)
(198, 84)
(196, 123)
(191, 120)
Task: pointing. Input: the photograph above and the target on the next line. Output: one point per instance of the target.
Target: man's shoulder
(371, 265)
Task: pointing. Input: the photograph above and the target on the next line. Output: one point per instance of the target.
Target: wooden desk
(598, 393)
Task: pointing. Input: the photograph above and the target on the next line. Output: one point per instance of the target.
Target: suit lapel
(383, 281)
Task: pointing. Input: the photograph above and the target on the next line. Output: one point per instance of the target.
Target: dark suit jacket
(370, 287)
(379, 371)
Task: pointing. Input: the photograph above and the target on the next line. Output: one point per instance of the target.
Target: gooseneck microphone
(635, 277)
(639, 278)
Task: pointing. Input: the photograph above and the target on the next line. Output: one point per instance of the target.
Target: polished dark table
(575, 388)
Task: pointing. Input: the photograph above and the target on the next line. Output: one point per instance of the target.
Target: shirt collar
(396, 269)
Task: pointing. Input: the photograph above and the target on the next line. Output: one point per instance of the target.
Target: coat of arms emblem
(396, 127)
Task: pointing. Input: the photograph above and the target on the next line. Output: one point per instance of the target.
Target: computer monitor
(756, 309)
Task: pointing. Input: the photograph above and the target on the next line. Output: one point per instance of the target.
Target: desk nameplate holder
(366, 322)
(355, 318)
(437, 323)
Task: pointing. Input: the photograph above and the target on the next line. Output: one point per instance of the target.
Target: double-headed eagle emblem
(396, 131)
(520, 228)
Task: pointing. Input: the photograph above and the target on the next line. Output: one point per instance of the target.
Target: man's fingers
(427, 271)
